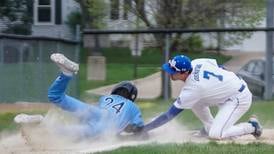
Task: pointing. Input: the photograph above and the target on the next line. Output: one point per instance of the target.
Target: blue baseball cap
(177, 64)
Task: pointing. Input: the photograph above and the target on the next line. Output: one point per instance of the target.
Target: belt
(242, 88)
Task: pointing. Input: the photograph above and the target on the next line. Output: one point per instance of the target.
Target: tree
(189, 14)
(201, 14)
(93, 12)
(17, 15)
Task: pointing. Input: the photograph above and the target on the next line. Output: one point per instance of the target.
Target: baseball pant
(89, 116)
(222, 125)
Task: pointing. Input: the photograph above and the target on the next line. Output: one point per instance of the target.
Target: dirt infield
(24, 107)
(38, 139)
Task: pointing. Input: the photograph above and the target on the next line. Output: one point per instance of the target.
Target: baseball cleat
(201, 133)
(28, 119)
(256, 124)
(67, 66)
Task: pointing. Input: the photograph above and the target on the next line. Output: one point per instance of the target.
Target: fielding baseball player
(114, 113)
(207, 84)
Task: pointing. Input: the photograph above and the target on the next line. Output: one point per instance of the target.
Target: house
(48, 17)
(121, 19)
(256, 43)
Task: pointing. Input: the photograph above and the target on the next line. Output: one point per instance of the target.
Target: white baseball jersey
(208, 85)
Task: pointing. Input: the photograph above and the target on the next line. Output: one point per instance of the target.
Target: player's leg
(229, 113)
(56, 92)
(56, 95)
(77, 131)
(89, 116)
(28, 119)
(67, 66)
(204, 114)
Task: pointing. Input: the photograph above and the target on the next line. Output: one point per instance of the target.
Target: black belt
(242, 88)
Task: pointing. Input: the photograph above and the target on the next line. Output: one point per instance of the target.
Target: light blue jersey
(112, 114)
(122, 111)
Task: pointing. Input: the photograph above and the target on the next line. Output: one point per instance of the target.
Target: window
(114, 10)
(44, 2)
(249, 67)
(259, 68)
(44, 12)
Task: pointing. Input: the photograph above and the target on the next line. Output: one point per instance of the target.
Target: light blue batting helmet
(177, 64)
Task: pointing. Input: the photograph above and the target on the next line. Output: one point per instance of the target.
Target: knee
(53, 97)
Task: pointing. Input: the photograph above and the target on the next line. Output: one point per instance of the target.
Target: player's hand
(131, 128)
(142, 135)
(133, 136)
(134, 132)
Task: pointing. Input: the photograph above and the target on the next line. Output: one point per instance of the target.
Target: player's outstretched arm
(131, 128)
(163, 118)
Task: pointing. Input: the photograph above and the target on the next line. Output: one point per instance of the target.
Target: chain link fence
(151, 47)
(26, 69)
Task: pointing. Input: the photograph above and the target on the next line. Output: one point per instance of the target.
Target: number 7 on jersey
(207, 75)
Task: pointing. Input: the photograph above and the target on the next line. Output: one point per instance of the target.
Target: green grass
(118, 72)
(153, 56)
(262, 109)
(190, 148)
(120, 65)
(150, 109)
(153, 108)
(6, 121)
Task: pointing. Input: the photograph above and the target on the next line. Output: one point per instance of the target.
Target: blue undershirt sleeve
(222, 66)
(163, 118)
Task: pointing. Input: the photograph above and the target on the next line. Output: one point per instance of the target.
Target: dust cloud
(42, 138)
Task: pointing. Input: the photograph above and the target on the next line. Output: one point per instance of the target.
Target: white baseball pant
(222, 126)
